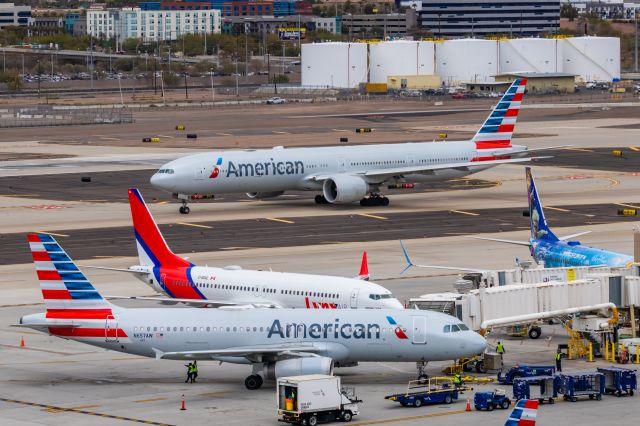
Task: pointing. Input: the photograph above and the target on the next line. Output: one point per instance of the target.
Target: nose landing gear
(184, 209)
(374, 200)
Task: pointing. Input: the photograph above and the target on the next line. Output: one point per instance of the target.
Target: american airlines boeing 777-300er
(346, 174)
(184, 282)
(274, 342)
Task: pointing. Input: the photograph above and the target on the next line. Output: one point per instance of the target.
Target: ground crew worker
(558, 361)
(457, 380)
(500, 349)
(189, 372)
(195, 371)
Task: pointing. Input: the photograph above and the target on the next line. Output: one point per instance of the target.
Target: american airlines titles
(272, 168)
(324, 331)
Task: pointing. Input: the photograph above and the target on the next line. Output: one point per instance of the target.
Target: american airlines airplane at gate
(195, 285)
(275, 342)
(346, 174)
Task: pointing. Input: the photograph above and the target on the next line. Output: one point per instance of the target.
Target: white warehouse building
(539, 55)
(397, 58)
(339, 65)
(151, 25)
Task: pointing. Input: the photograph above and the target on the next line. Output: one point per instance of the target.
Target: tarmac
(54, 381)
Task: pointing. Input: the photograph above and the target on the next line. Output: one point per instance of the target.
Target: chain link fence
(50, 115)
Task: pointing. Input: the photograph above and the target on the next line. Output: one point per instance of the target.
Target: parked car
(458, 95)
(275, 101)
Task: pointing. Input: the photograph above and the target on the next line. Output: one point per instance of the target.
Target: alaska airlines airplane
(274, 342)
(553, 251)
(346, 174)
(184, 282)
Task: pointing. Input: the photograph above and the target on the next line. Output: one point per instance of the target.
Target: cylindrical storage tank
(542, 55)
(400, 58)
(592, 58)
(467, 60)
(342, 65)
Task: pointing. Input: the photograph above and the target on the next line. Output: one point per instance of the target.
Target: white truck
(308, 400)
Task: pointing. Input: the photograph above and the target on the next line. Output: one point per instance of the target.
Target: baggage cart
(541, 388)
(525, 371)
(619, 381)
(432, 391)
(587, 383)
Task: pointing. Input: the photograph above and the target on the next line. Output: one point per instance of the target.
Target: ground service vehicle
(432, 391)
(525, 371)
(308, 400)
(490, 400)
(275, 101)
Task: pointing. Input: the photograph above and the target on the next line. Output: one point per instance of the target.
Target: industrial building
(378, 25)
(555, 64)
(516, 18)
(12, 15)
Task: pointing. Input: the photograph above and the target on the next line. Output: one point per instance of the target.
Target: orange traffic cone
(22, 342)
(468, 407)
(183, 407)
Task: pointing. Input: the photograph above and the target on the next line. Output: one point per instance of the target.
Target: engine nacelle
(344, 189)
(263, 195)
(298, 367)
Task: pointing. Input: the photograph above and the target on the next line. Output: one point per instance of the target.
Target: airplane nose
(479, 343)
(161, 181)
(394, 304)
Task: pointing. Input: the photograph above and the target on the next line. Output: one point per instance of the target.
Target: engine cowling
(298, 367)
(262, 195)
(344, 189)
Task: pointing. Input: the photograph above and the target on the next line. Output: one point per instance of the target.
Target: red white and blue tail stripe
(497, 130)
(172, 272)
(524, 413)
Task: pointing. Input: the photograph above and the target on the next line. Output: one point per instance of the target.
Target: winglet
(410, 264)
(158, 352)
(364, 268)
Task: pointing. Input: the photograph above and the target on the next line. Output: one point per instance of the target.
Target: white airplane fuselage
(270, 171)
(288, 290)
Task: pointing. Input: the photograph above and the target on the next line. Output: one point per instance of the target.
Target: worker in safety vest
(457, 380)
(195, 371)
(500, 349)
(558, 361)
(189, 372)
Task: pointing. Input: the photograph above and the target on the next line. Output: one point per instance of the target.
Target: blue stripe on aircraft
(52, 247)
(85, 295)
(72, 276)
(59, 257)
(78, 285)
(65, 266)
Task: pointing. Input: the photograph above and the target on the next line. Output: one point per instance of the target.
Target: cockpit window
(167, 171)
(447, 329)
(380, 296)
(454, 328)
(463, 327)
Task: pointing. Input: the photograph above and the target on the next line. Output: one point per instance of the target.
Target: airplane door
(257, 290)
(409, 161)
(342, 165)
(111, 329)
(419, 331)
(354, 298)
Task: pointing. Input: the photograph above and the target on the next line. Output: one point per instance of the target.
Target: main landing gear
(184, 209)
(374, 200)
(421, 366)
(320, 199)
(253, 382)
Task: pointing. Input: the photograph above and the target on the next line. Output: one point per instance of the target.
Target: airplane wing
(252, 353)
(577, 234)
(549, 148)
(410, 264)
(500, 240)
(397, 171)
(48, 324)
(197, 303)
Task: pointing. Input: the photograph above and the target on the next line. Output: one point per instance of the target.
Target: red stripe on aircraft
(41, 256)
(518, 97)
(177, 282)
(87, 332)
(49, 276)
(493, 144)
(492, 158)
(504, 128)
(531, 403)
(79, 313)
(33, 238)
(56, 294)
(512, 112)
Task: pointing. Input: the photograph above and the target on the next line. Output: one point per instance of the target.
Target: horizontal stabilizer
(410, 264)
(500, 240)
(129, 270)
(577, 234)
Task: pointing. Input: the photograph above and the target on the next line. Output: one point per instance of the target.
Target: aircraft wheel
(385, 201)
(253, 382)
(535, 332)
(319, 199)
(184, 210)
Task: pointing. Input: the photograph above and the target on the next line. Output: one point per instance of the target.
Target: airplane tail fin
(524, 413)
(152, 248)
(67, 293)
(539, 228)
(497, 130)
(364, 268)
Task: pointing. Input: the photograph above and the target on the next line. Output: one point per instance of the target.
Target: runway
(187, 237)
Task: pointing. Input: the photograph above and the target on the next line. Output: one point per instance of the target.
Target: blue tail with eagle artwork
(539, 228)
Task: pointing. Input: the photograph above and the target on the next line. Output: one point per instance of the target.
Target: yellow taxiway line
(195, 225)
(556, 208)
(464, 212)
(51, 233)
(409, 418)
(142, 401)
(372, 216)
(279, 220)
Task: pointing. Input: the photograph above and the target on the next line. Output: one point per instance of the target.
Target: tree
(568, 11)
(12, 79)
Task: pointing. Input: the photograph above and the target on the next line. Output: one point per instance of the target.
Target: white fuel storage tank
(540, 55)
(467, 60)
(592, 58)
(400, 57)
(341, 65)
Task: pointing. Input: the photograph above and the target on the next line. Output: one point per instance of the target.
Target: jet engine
(298, 367)
(263, 195)
(344, 189)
